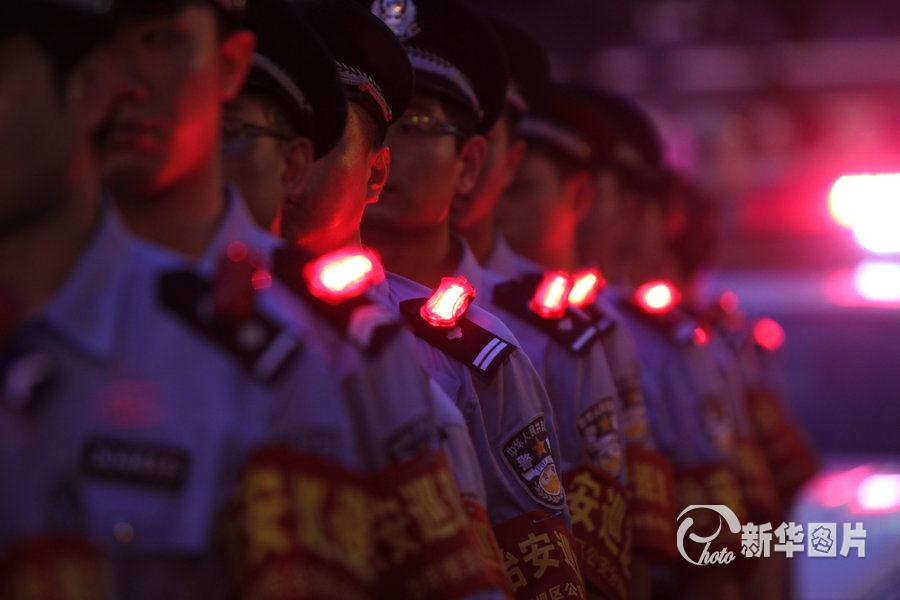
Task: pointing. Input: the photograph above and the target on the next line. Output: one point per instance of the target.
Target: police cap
(529, 67)
(454, 52)
(292, 65)
(563, 122)
(636, 150)
(371, 61)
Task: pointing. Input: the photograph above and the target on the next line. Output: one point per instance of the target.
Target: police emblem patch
(528, 454)
(598, 426)
(399, 15)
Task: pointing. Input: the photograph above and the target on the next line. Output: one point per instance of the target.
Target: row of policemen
(325, 298)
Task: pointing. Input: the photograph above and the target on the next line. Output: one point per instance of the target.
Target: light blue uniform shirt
(137, 443)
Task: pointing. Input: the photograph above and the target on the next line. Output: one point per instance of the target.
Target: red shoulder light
(728, 302)
(657, 297)
(768, 334)
(551, 298)
(343, 274)
(700, 336)
(448, 302)
(585, 287)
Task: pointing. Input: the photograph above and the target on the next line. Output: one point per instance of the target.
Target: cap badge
(399, 15)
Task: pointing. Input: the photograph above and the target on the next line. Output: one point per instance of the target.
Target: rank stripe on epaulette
(489, 353)
(467, 342)
(352, 318)
(185, 294)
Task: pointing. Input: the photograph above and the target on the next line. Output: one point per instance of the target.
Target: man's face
(425, 171)
(499, 169)
(37, 135)
(166, 124)
(338, 189)
(254, 156)
(535, 205)
(606, 228)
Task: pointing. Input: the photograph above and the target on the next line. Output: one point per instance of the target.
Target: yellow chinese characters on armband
(600, 523)
(300, 528)
(425, 543)
(651, 496)
(539, 557)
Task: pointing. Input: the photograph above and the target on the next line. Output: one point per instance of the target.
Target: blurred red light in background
(701, 337)
(879, 493)
(768, 334)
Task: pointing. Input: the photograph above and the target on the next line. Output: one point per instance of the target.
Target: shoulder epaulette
(366, 324)
(575, 330)
(467, 342)
(260, 344)
(675, 325)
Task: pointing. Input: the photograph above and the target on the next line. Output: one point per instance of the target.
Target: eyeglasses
(237, 130)
(419, 124)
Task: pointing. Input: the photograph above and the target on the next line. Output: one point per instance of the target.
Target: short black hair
(66, 35)
(374, 129)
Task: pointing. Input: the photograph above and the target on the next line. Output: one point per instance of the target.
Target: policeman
(686, 394)
(437, 150)
(562, 340)
(117, 458)
(322, 208)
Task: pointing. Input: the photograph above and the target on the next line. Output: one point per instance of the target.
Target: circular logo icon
(399, 15)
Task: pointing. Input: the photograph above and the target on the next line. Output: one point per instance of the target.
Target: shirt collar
(506, 262)
(237, 225)
(86, 309)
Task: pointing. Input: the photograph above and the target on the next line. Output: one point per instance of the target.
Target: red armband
(54, 568)
(651, 494)
(426, 546)
(539, 557)
(599, 508)
(711, 484)
(757, 483)
(789, 455)
(300, 528)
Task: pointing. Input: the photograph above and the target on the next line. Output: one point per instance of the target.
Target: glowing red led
(585, 287)
(344, 274)
(448, 302)
(657, 297)
(768, 334)
(700, 336)
(551, 298)
(728, 302)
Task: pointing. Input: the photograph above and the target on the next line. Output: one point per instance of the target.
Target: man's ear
(583, 192)
(236, 54)
(298, 160)
(471, 156)
(513, 159)
(379, 170)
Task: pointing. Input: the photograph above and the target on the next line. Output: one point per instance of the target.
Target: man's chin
(127, 178)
